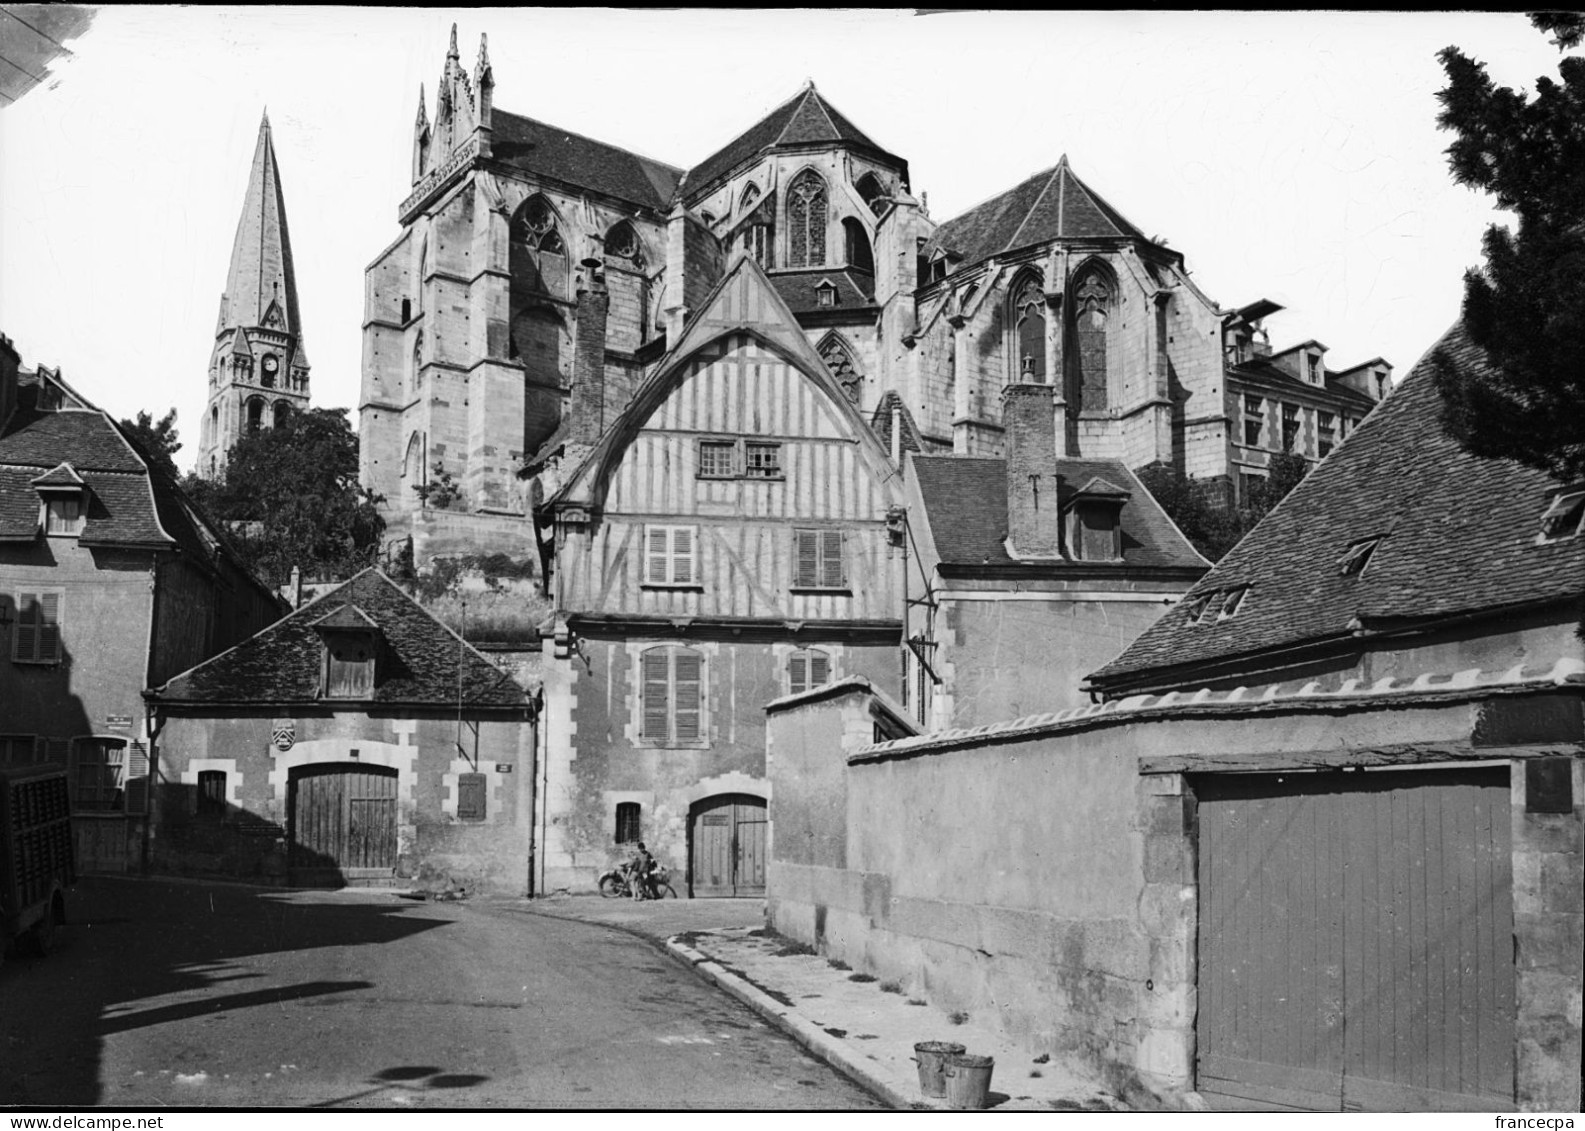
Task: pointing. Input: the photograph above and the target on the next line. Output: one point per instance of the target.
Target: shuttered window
(672, 695)
(470, 797)
(38, 629)
(670, 555)
(817, 560)
(806, 669)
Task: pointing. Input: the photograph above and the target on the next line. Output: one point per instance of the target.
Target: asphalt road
(193, 995)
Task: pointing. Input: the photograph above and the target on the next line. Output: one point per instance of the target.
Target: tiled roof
(1458, 536)
(82, 437)
(800, 289)
(1263, 369)
(965, 500)
(417, 664)
(805, 119)
(1051, 205)
(64, 475)
(535, 147)
(890, 412)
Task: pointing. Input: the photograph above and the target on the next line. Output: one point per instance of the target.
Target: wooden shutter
(806, 565)
(819, 669)
(655, 679)
(656, 554)
(25, 646)
(137, 779)
(798, 673)
(682, 547)
(831, 559)
(470, 797)
(689, 675)
(49, 642)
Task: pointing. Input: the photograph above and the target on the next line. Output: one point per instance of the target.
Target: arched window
(214, 424)
(538, 256)
(423, 270)
(1029, 332)
(1093, 292)
(413, 461)
(672, 695)
(621, 242)
(807, 668)
(839, 360)
(872, 192)
(415, 372)
(283, 409)
(255, 414)
(859, 256)
(806, 220)
(749, 198)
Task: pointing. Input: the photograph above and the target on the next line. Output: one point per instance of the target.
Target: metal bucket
(968, 1081)
(931, 1058)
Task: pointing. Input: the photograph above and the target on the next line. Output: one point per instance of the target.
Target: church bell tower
(258, 370)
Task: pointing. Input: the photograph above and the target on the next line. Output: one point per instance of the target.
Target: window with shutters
(349, 665)
(672, 696)
(211, 794)
(671, 555)
(817, 560)
(63, 516)
(807, 668)
(470, 797)
(627, 822)
(101, 765)
(36, 639)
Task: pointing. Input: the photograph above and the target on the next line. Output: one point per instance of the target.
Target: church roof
(890, 412)
(800, 290)
(805, 119)
(550, 151)
(1051, 205)
(262, 273)
(1454, 535)
(422, 662)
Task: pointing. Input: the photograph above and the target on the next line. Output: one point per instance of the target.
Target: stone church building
(474, 345)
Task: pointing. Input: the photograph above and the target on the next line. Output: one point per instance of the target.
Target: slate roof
(1458, 536)
(550, 151)
(1263, 369)
(1051, 205)
(417, 664)
(855, 290)
(965, 500)
(805, 119)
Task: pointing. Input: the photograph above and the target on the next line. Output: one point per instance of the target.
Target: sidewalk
(865, 1028)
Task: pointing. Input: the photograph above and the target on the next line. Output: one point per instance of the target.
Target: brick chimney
(1034, 516)
(587, 407)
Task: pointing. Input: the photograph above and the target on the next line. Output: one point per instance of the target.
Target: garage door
(1356, 941)
(343, 824)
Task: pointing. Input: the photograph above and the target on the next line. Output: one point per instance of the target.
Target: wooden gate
(728, 846)
(342, 819)
(1356, 941)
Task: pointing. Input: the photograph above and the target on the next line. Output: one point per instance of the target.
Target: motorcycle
(619, 882)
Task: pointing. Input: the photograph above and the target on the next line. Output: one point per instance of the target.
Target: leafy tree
(1200, 508)
(291, 498)
(1526, 308)
(157, 438)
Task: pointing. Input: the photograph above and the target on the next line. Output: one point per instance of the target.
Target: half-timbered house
(727, 541)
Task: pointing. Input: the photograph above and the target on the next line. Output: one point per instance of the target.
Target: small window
(762, 461)
(470, 797)
(807, 668)
(212, 794)
(1565, 518)
(1095, 533)
(1254, 421)
(1326, 433)
(717, 459)
(1233, 602)
(826, 295)
(1194, 610)
(37, 637)
(627, 822)
(1358, 557)
(1313, 361)
(818, 560)
(64, 516)
(349, 666)
(1290, 427)
(672, 697)
(101, 763)
(670, 555)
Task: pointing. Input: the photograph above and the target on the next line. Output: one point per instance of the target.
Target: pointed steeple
(421, 123)
(482, 74)
(261, 271)
(453, 53)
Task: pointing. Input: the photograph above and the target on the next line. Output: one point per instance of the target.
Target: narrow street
(167, 994)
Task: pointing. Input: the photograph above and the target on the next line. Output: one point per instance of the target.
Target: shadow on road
(410, 1081)
(132, 942)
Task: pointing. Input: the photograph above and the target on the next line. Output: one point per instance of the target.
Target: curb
(807, 1034)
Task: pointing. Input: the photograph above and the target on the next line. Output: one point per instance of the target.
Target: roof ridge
(587, 137)
(1056, 174)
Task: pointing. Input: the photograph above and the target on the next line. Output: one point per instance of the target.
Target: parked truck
(37, 859)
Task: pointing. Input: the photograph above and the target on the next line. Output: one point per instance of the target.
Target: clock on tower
(270, 365)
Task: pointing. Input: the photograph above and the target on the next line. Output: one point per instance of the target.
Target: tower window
(806, 221)
(1029, 338)
(255, 414)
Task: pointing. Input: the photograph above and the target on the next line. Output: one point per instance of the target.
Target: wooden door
(1355, 942)
(342, 819)
(728, 849)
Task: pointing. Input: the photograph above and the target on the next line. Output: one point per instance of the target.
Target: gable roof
(1458, 537)
(1051, 205)
(418, 663)
(965, 499)
(743, 302)
(1264, 371)
(536, 147)
(805, 119)
(892, 413)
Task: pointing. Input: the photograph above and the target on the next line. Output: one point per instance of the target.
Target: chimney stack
(1034, 517)
(588, 360)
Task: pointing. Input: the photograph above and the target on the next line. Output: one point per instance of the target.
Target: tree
(1526, 308)
(291, 498)
(1201, 510)
(158, 439)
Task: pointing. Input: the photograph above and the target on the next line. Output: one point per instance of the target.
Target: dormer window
(1565, 518)
(826, 293)
(1358, 556)
(351, 642)
(1232, 602)
(63, 516)
(63, 498)
(1194, 610)
(1095, 526)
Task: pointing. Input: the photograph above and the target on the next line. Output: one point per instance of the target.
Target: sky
(1289, 156)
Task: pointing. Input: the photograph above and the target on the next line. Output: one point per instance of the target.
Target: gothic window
(749, 198)
(839, 360)
(757, 242)
(538, 255)
(872, 192)
(1029, 332)
(255, 414)
(283, 409)
(859, 256)
(1092, 301)
(413, 463)
(806, 221)
(621, 242)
